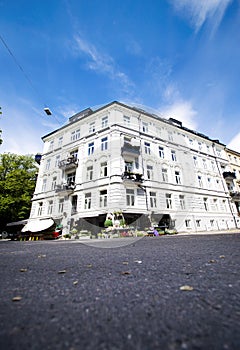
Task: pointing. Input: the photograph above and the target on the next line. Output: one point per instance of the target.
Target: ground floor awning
(17, 223)
(38, 225)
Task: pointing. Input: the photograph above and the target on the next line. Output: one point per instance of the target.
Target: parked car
(4, 235)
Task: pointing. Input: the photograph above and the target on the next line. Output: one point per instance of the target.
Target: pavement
(168, 292)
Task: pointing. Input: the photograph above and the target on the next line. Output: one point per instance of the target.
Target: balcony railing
(65, 188)
(130, 149)
(70, 162)
(136, 177)
(235, 195)
(229, 175)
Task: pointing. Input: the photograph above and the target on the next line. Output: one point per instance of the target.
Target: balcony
(65, 189)
(135, 177)
(129, 149)
(229, 175)
(69, 163)
(235, 195)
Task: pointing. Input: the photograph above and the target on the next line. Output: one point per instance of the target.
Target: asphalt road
(67, 295)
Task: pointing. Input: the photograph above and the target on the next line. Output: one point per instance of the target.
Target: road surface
(170, 292)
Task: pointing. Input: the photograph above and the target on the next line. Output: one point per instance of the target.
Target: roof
(89, 111)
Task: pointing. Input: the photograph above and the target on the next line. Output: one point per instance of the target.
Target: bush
(108, 223)
(170, 232)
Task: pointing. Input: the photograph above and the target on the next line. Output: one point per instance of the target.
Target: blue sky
(179, 57)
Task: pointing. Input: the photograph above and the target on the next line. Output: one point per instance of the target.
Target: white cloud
(101, 62)
(23, 127)
(182, 111)
(199, 12)
(178, 108)
(234, 144)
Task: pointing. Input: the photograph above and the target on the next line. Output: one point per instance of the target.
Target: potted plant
(108, 223)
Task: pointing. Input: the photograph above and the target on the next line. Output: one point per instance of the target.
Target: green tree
(17, 184)
(1, 141)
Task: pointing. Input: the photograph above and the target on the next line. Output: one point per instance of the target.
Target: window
(103, 198)
(90, 148)
(51, 145)
(147, 147)
(50, 207)
(182, 202)
(177, 177)
(200, 182)
(204, 164)
(104, 144)
(75, 135)
(140, 192)
(161, 152)
(104, 121)
(44, 185)
(60, 141)
(128, 166)
(215, 204)
(198, 223)
(205, 203)
(209, 182)
(54, 183)
(153, 200)
(40, 208)
(71, 178)
(74, 153)
(149, 172)
(170, 136)
(190, 142)
(74, 205)
(126, 120)
(48, 164)
(103, 169)
(60, 205)
(92, 127)
(218, 151)
(195, 161)
(174, 157)
(188, 223)
(213, 166)
(130, 197)
(57, 160)
(224, 205)
(164, 175)
(158, 131)
(87, 203)
(200, 146)
(89, 173)
(145, 127)
(168, 200)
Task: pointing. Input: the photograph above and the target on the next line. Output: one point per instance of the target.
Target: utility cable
(46, 109)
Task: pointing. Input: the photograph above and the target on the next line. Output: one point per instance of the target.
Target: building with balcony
(122, 159)
(233, 181)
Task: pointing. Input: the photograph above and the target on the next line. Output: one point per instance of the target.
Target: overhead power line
(46, 109)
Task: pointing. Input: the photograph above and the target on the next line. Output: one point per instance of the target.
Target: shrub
(108, 223)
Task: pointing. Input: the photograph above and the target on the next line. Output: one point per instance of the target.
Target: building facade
(232, 177)
(124, 161)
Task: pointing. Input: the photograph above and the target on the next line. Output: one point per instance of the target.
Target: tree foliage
(17, 184)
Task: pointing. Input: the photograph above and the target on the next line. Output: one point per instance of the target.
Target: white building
(123, 159)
